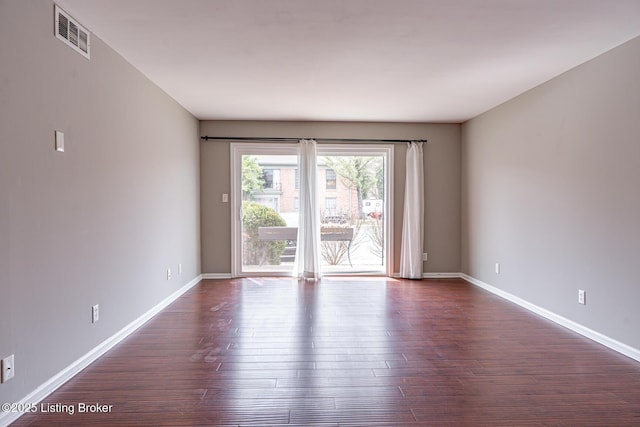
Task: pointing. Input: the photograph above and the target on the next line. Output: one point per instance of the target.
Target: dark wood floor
(351, 352)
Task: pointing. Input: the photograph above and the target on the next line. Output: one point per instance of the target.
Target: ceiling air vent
(72, 33)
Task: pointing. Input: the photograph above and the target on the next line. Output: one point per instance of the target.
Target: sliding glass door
(353, 195)
(265, 208)
(354, 200)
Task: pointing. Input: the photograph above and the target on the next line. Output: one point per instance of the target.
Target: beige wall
(442, 183)
(98, 224)
(550, 190)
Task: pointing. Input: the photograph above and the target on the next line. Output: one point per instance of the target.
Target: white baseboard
(217, 276)
(395, 275)
(434, 276)
(441, 275)
(70, 371)
(618, 346)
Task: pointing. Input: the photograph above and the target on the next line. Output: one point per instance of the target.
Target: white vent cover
(72, 33)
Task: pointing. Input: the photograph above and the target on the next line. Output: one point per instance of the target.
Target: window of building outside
(271, 179)
(296, 204)
(330, 175)
(272, 202)
(330, 206)
(297, 184)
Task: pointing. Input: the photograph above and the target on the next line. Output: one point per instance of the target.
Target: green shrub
(255, 251)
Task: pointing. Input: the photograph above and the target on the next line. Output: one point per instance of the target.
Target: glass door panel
(269, 216)
(353, 199)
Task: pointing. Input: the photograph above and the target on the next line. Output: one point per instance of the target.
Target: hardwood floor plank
(363, 417)
(350, 352)
(330, 373)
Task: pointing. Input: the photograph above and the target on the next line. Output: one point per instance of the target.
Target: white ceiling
(354, 60)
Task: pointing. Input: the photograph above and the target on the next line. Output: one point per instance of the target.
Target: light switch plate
(95, 313)
(8, 368)
(60, 141)
(582, 297)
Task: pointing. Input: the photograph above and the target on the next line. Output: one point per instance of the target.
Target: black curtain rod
(270, 139)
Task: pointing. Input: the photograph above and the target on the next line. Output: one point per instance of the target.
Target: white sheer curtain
(307, 252)
(413, 219)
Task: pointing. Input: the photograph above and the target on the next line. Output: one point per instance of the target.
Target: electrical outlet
(425, 257)
(582, 297)
(497, 268)
(225, 198)
(95, 313)
(168, 274)
(8, 368)
(179, 269)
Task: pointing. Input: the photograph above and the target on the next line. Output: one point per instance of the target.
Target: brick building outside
(281, 191)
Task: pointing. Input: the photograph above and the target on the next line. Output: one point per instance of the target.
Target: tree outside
(254, 250)
(252, 177)
(364, 174)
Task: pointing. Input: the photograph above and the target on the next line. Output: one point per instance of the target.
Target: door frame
(238, 149)
(365, 149)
